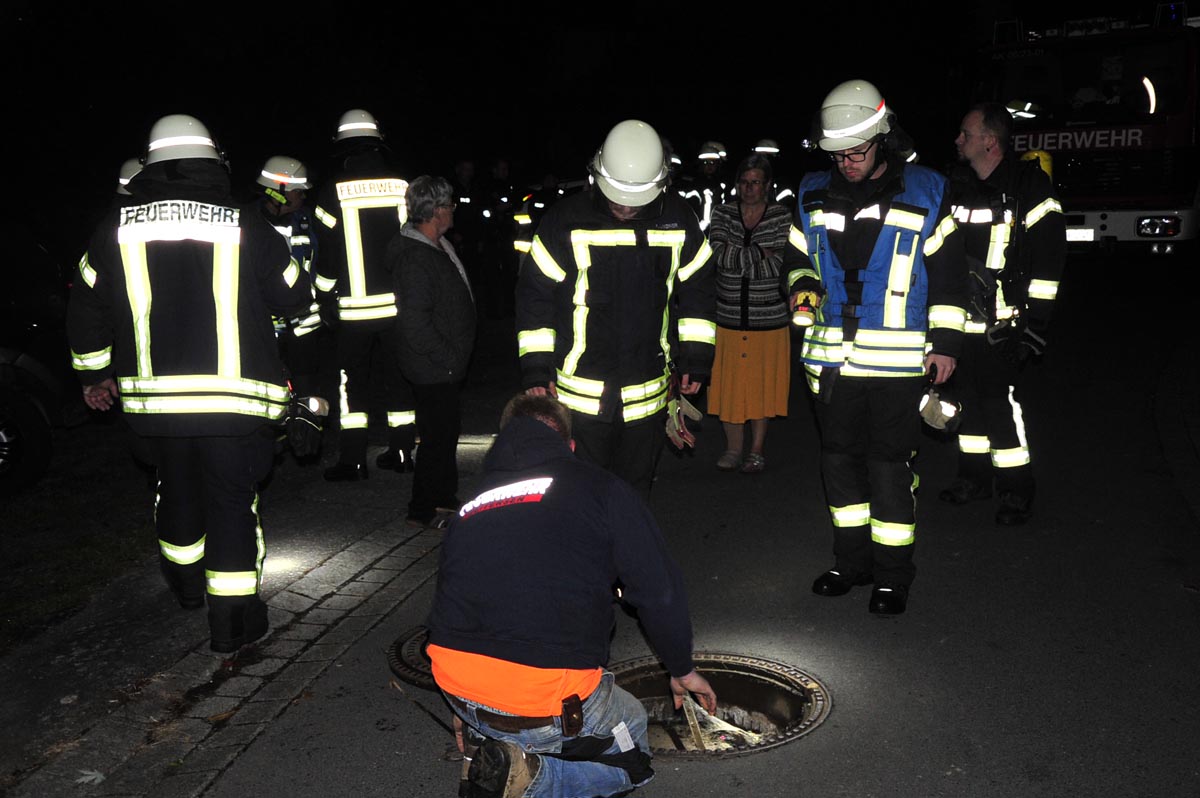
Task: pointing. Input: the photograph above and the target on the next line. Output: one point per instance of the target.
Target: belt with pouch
(572, 717)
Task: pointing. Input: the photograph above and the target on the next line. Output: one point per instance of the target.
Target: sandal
(754, 463)
(728, 461)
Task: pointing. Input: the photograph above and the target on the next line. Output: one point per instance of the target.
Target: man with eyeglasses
(874, 252)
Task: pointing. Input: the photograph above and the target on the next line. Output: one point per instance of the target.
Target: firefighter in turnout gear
(171, 317)
(616, 304)
(875, 250)
(1014, 233)
(360, 208)
(303, 338)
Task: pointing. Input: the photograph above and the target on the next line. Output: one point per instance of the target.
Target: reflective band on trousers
(851, 515)
(232, 583)
(182, 555)
(889, 533)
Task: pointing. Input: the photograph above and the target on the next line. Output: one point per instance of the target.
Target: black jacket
(435, 322)
(528, 567)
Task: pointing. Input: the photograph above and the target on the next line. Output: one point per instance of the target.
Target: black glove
(1018, 341)
(304, 423)
(327, 306)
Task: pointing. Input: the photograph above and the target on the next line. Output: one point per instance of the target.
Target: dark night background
(538, 84)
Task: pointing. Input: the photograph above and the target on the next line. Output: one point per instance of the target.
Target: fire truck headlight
(1158, 226)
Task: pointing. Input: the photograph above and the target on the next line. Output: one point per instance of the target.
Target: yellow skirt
(752, 374)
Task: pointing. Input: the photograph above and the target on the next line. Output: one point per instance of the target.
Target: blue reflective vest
(894, 314)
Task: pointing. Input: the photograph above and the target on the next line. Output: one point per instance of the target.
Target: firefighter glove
(304, 423)
(1018, 341)
(679, 410)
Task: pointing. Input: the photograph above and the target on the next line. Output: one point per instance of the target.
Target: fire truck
(1110, 107)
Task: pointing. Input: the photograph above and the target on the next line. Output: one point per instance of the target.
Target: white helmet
(630, 167)
(180, 136)
(128, 170)
(357, 122)
(767, 147)
(283, 174)
(712, 151)
(853, 114)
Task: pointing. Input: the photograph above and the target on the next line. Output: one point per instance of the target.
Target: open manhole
(761, 704)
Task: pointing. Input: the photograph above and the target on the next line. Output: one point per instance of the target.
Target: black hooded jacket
(528, 567)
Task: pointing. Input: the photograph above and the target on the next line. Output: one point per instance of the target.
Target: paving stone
(241, 686)
(264, 667)
(212, 706)
(258, 712)
(284, 649)
(291, 601)
(323, 652)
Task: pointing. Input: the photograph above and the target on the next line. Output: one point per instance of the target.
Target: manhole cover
(408, 659)
(761, 704)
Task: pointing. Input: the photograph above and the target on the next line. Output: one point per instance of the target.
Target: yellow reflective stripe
(579, 403)
(892, 534)
(137, 289)
(647, 389)
(1011, 458)
(325, 284)
(975, 326)
(694, 265)
(353, 421)
(364, 308)
(91, 361)
(325, 217)
(522, 246)
(346, 418)
(938, 237)
(948, 317)
(1041, 211)
(400, 418)
(292, 273)
(899, 277)
(850, 515)
(545, 261)
(193, 383)
(1043, 289)
(998, 240)
(639, 410)
(798, 240)
(225, 297)
(580, 385)
(904, 219)
(232, 583)
(215, 403)
(86, 272)
(539, 340)
(812, 376)
(182, 555)
(699, 330)
(974, 444)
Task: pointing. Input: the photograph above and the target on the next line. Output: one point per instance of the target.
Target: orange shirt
(509, 686)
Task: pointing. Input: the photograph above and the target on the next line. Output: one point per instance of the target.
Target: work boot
(888, 599)
(236, 622)
(346, 472)
(836, 583)
(964, 491)
(1015, 509)
(395, 460)
(501, 770)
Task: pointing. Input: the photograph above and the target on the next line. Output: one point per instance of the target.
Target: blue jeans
(610, 715)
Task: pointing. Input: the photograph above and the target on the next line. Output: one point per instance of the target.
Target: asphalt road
(1057, 658)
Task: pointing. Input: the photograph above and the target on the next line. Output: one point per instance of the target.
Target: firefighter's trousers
(206, 518)
(366, 356)
(630, 451)
(991, 437)
(870, 429)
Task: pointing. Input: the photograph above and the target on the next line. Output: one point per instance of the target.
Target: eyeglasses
(852, 157)
(751, 182)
